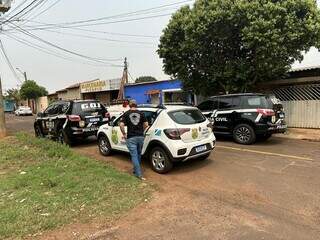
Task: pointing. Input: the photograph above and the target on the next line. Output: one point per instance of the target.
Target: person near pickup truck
(136, 124)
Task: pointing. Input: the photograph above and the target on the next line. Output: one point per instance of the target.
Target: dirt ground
(270, 190)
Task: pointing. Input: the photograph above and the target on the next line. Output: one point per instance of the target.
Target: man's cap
(133, 102)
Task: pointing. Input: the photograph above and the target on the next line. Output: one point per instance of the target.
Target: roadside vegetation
(44, 185)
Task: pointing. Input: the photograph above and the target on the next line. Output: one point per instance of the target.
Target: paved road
(268, 190)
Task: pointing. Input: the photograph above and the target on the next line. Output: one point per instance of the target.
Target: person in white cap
(136, 124)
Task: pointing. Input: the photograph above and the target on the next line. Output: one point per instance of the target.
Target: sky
(55, 73)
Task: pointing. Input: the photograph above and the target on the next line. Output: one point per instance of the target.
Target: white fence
(302, 114)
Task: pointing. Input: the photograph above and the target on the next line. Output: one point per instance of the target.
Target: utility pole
(23, 73)
(124, 80)
(4, 7)
(3, 131)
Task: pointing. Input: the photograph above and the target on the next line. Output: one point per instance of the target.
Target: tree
(145, 79)
(231, 45)
(31, 90)
(13, 94)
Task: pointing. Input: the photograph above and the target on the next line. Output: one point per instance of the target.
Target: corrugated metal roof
(301, 69)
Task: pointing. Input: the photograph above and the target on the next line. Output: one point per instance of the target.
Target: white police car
(176, 133)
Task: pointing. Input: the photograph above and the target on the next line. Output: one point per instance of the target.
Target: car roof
(170, 107)
(238, 94)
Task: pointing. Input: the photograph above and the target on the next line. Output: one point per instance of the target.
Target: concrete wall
(302, 114)
(41, 104)
(73, 94)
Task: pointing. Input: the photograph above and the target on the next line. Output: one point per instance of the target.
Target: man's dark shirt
(134, 120)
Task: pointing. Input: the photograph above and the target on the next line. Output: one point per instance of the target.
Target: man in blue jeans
(136, 124)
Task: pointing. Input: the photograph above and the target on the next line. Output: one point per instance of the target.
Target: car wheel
(204, 157)
(37, 131)
(244, 134)
(63, 138)
(160, 161)
(104, 145)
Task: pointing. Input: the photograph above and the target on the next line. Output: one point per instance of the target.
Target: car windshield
(93, 106)
(187, 116)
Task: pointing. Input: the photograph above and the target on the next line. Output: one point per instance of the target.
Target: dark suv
(245, 116)
(67, 121)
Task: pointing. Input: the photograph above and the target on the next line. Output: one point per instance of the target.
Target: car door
(116, 139)
(227, 114)
(46, 122)
(151, 117)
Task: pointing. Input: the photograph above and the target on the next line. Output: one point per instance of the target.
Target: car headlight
(82, 124)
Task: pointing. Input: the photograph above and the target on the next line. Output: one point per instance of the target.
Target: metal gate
(301, 104)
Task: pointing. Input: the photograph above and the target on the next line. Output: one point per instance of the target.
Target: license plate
(94, 119)
(91, 129)
(201, 148)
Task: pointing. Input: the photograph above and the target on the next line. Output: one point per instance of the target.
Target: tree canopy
(31, 90)
(145, 79)
(231, 45)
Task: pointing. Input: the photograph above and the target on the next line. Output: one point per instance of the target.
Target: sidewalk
(301, 133)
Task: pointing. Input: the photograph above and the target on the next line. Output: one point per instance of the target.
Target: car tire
(204, 157)
(244, 134)
(160, 160)
(63, 138)
(38, 132)
(104, 145)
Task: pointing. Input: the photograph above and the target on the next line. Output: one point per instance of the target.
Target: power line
(97, 38)
(54, 26)
(94, 31)
(45, 10)
(124, 14)
(17, 7)
(50, 52)
(128, 14)
(104, 61)
(21, 11)
(9, 62)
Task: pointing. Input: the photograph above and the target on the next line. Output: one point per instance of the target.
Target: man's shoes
(142, 178)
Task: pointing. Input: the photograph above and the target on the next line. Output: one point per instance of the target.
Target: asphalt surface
(270, 190)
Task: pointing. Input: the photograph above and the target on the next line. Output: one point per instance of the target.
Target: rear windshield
(187, 116)
(256, 102)
(81, 107)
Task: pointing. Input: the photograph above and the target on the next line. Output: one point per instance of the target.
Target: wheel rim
(103, 145)
(243, 134)
(158, 160)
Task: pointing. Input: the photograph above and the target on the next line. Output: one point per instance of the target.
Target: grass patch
(44, 185)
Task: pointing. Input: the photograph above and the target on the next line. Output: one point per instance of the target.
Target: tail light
(107, 115)
(266, 112)
(175, 133)
(74, 118)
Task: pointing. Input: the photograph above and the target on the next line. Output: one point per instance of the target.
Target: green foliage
(31, 90)
(145, 79)
(44, 185)
(13, 94)
(230, 45)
